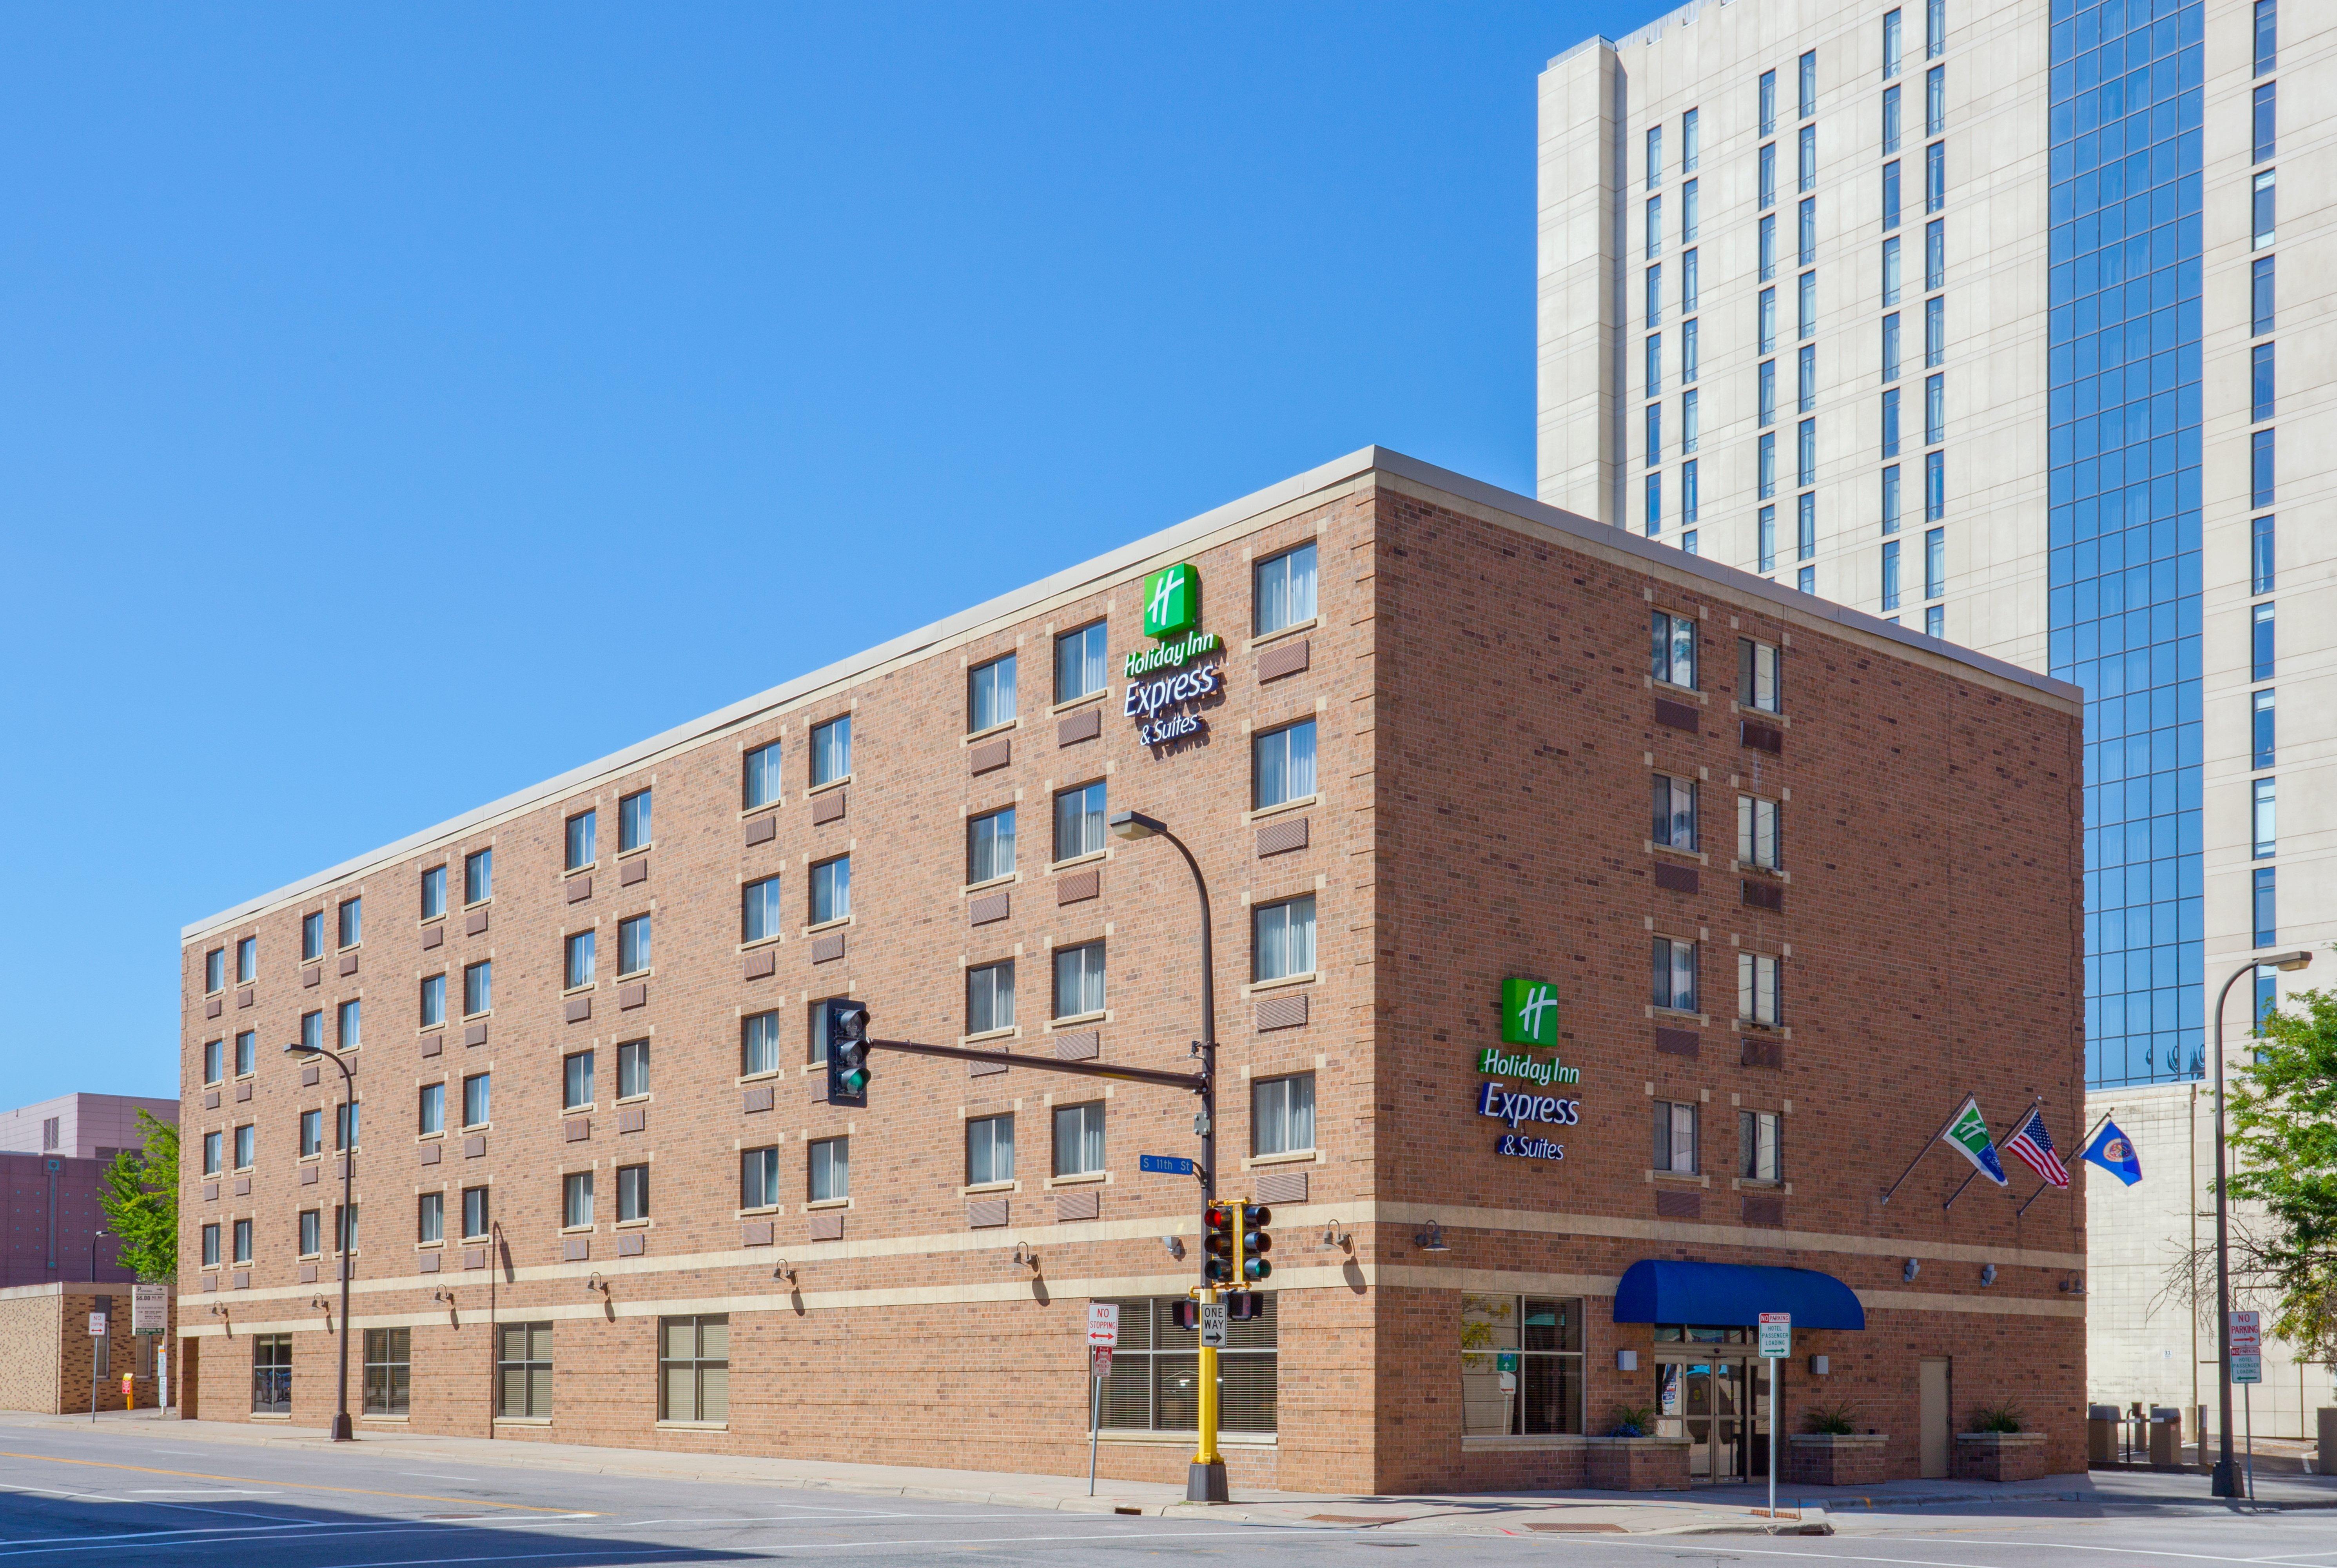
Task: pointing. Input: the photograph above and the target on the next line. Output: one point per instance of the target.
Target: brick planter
(2000, 1455)
(1637, 1464)
(1834, 1459)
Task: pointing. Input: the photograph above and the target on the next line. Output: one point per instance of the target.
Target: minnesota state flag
(2113, 1151)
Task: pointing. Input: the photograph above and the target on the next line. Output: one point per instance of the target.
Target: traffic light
(1220, 1261)
(1255, 1241)
(847, 1053)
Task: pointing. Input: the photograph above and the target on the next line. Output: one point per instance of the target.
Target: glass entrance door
(1721, 1406)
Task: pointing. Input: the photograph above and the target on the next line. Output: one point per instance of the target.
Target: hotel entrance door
(1720, 1403)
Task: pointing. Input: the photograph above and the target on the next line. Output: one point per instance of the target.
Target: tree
(2284, 1111)
(139, 1193)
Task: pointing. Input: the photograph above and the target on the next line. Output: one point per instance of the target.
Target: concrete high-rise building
(2008, 322)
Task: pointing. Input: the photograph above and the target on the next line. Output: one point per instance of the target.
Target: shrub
(1833, 1420)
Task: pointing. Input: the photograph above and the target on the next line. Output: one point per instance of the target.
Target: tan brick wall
(30, 1352)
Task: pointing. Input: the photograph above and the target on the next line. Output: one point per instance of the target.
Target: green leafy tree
(2283, 1117)
(139, 1193)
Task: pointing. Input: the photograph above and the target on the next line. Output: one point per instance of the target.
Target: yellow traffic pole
(1207, 1451)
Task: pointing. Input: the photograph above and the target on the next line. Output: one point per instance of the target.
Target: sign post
(2247, 1370)
(1776, 1344)
(96, 1333)
(1103, 1335)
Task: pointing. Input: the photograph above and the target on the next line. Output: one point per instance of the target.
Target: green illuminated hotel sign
(1529, 1013)
(1172, 600)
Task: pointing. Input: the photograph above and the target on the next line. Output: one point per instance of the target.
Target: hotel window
(1080, 663)
(1806, 159)
(1756, 831)
(990, 845)
(2260, 729)
(2265, 903)
(576, 1081)
(633, 830)
(242, 1243)
(1654, 156)
(1691, 432)
(434, 894)
(1769, 248)
(1768, 101)
(827, 1169)
(1282, 765)
(990, 997)
(349, 1025)
(1282, 590)
(1282, 939)
(2267, 50)
(1079, 980)
(1671, 648)
(759, 917)
(215, 971)
(693, 1368)
(1674, 975)
(434, 1001)
(1935, 330)
(1935, 410)
(1675, 1136)
(1688, 278)
(271, 1373)
(474, 1212)
(1806, 230)
(1765, 383)
(1935, 177)
(831, 891)
(1891, 574)
(346, 1124)
(429, 1115)
(633, 944)
(1080, 821)
(990, 694)
(2261, 836)
(1805, 312)
(247, 1050)
(1935, 485)
(1809, 84)
(1935, 254)
(577, 961)
(2260, 280)
(1890, 120)
(632, 1194)
(2260, 643)
(430, 1218)
(1673, 823)
(1935, 28)
(344, 1227)
(1768, 176)
(1655, 278)
(478, 988)
(475, 1098)
(1765, 323)
(246, 959)
(761, 776)
(1805, 378)
(1889, 44)
(388, 1370)
(1690, 137)
(478, 875)
(1655, 229)
(989, 1149)
(759, 1178)
(1890, 194)
(1935, 563)
(1766, 465)
(1154, 1385)
(1891, 421)
(1807, 452)
(1757, 1146)
(584, 841)
(1760, 678)
(1757, 987)
(523, 1370)
(214, 1060)
(1282, 1114)
(1935, 100)
(247, 1146)
(1691, 219)
(2260, 381)
(815, 1036)
(1078, 1139)
(1764, 537)
(211, 1246)
(1890, 347)
(758, 1043)
(632, 1069)
(312, 936)
(831, 751)
(1521, 1366)
(1891, 270)
(576, 1200)
(1687, 351)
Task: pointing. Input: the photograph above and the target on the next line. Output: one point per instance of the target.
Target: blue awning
(1733, 1295)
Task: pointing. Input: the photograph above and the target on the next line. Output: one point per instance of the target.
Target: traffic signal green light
(1255, 1243)
(847, 1053)
(1219, 1262)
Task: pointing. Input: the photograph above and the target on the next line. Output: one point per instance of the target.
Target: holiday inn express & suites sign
(1173, 612)
(1528, 1017)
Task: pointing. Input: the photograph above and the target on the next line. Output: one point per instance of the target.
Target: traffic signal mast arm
(1193, 1082)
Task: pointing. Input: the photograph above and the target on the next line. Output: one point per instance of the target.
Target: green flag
(1968, 1132)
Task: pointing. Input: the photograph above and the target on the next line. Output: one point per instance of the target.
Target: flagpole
(1918, 1160)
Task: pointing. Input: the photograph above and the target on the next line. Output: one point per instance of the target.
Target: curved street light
(342, 1431)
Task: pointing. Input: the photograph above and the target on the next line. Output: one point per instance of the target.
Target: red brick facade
(1478, 675)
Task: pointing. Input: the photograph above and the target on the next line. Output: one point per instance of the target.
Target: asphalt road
(123, 1497)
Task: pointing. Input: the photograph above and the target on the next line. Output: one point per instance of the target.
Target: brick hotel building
(600, 1197)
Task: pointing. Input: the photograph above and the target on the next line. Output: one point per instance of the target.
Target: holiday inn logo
(1529, 1013)
(1172, 600)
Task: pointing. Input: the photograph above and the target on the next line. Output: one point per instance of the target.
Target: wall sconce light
(1987, 1273)
(1431, 1239)
(2073, 1287)
(1626, 1360)
(596, 1284)
(319, 1304)
(1908, 1272)
(786, 1271)
(1333, 1237)
(1026, 1257)
(1175, 1245)
(1820, 1366)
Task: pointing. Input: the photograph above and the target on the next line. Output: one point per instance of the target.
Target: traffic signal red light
(1219, 1264)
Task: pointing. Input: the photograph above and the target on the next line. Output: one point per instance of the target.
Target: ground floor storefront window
(1156, 1381)
(523, 1371)
(271, 1374)
(1521, 1366)
(694, 1368)
(388, 1370)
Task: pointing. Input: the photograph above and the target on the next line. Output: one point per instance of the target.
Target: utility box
(2166, 1438)
(2101, 1433)
(2326, 1464)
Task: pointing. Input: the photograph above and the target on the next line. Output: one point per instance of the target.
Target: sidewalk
(1721, 1510)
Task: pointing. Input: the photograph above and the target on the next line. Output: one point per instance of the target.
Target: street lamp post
(2226, 1482)
(109, 1321)
(342, 1432)
(1204, 1478)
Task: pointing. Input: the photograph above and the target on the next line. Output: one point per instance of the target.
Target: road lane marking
(303, 1486)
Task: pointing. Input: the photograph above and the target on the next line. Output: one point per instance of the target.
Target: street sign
(97, 1324)
(1776, 1335)
(2247, 1348)
(150, 1309)
(1213, 1324)
(1099, 1362)
(1166, 1164)
(1103, 1324)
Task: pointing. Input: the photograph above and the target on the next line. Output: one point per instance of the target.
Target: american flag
(2033, 1147)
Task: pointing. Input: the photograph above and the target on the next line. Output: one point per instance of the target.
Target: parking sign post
(1776, 1344)
(1103, 1335)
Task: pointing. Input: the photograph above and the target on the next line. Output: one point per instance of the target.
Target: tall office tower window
(1935, 410)
(1809, 84)
(1891, 119)
(1805, 464)
(2260, 729)
(1935, 28)
(1688, 543)
(2262, 227)
(1808, 231)
(1767, 317)
(2267, 908)
(1806, 159)
(1805, 380)
(1691, 211)
(1655, 363)
(1891, 499)
(1935, 563)
(1764, 538)
(1655, 228)
(1655, 513)
(1890, 574)
(1767, 464)
(1805, 306)
(2267, 35)
(2260, 535)
(2267, 108)
(2266, 986)
(2262, 836)
(2260, 444)
(1807, 580)
(1936, 619)
(1768, 175)
(1889, 44)
(1890, 347)
(1765, 380)
(1654, 156)
(1688, 421)
(1690, 136)
(1891, 270)
(1768, 101)
(1687, 282)
(1935, 330)
(1655, 423)
(1935, 254)
(2260, 296)
(1891, 421)
(1806, 526)
(1935, 100)
(2261, 640)
(1935, 485)
(1656, 295)
(1891, 195)
(1687, 493)
(1687, 351)
(1935, 177)
(2260, 381)
(1769, 248)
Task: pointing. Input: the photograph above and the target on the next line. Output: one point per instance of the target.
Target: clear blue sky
(400, 404)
